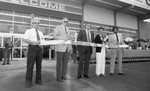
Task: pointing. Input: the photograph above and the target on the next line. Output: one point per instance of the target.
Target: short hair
(65, 19)
(114, 27)
(100, 28)
(33, 20)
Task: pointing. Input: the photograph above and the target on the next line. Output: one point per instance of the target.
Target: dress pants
(61, 65)
(84, 60)
(100, 61)
(6, 55)
(116, 52)
(34, 55)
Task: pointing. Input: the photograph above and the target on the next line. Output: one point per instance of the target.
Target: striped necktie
(117, 38)
(88, 36)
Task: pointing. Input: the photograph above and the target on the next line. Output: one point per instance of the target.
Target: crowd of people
(33, 37)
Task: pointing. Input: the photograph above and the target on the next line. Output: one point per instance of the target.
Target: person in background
(33, 37)
(113, 40)
(100, 52)
(61, 32)
(84, 51)
(1, 53)
(7, 52)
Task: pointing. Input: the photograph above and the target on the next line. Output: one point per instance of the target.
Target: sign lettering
(40, 3)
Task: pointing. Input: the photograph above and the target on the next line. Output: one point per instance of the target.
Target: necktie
(37, 35)
(88, 36)
(117, 38)
(65, 30)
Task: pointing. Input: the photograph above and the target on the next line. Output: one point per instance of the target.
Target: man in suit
(61, 32)
(33, 37)
(113, 40)
(85, 51)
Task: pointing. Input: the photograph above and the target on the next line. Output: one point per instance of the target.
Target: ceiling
(119, 6)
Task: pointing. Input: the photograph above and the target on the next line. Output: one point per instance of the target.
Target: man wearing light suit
(62, 33)
(116, 39)
(85, 51)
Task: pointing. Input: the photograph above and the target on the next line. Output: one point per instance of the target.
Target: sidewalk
(12, 78)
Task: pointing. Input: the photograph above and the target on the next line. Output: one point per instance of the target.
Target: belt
(34, 45)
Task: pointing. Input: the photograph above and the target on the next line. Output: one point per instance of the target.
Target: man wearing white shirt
(33, 37)
(113, 40)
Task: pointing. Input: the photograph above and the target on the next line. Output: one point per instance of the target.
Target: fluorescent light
(108, 3)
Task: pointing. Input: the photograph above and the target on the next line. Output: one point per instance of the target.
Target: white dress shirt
(30, 34)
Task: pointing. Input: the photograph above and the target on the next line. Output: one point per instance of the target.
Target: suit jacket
(60, 34)
(98, 40)
(113, 41)
(83, 37)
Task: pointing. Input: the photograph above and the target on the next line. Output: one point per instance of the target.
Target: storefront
(16, 15)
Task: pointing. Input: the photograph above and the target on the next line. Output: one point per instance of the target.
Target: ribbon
(58, 42)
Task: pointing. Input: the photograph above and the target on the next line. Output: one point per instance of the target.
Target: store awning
(139, 8)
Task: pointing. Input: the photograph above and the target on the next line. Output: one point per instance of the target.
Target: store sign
(40, 3)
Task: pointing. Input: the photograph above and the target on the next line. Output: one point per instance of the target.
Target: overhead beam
(124, 8)
(144, 16)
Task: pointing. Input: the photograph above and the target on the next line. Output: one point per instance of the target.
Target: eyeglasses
(36, 23)
(66, 21)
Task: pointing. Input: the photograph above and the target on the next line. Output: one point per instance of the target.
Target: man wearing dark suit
(85, 51)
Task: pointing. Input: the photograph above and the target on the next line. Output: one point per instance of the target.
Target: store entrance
(19, 49)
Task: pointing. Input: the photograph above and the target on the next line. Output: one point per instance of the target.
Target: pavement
(137, 78)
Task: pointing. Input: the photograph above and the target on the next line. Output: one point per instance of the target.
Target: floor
(12, 78)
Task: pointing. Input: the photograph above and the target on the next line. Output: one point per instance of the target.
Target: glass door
(17, 48)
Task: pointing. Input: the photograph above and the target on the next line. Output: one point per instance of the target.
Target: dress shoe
(60, 80)
(97, 75)
(3, 64)
(39, 82)
(86, 76)
(64, 78)
(111, 74)
(121, 74)
(102, 75)
(28, 85)
(8, 63)
(78, 77)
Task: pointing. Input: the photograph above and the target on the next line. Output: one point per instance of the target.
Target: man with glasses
(33, 37)
(61, 32)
